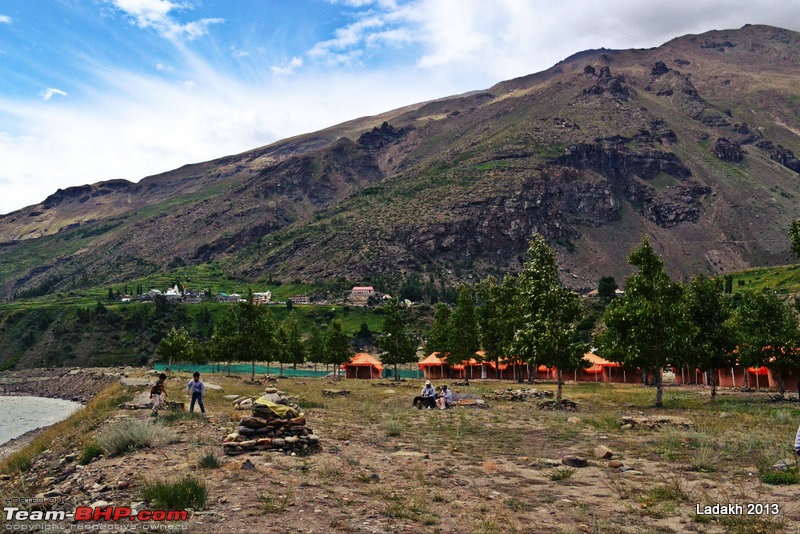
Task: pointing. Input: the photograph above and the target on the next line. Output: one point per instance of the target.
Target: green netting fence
(246, 369)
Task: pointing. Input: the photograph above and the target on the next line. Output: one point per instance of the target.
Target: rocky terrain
(614, 465)
(692, 143)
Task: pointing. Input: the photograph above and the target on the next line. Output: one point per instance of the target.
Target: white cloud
(155, 14)
(49, 93)
(132, 125)
(290, 68)
(5, 19)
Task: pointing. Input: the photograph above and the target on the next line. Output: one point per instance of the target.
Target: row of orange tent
(600, 370)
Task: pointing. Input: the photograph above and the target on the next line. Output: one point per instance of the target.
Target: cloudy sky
(92, 90)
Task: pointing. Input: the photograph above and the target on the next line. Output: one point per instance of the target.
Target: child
(445, 398)
(197, 389)
(156, 393)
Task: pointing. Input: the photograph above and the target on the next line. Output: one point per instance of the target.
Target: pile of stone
(654, 422)
(521, 394)
(273, 426)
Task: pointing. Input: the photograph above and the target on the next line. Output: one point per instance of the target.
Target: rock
(626, 426)
(253, 422)
(572, 460)
(231, 397)
(574, 420)
(783, 465)
(603, 452)
(245, 403)
(123, 484)
(247, 465)
(615, 464)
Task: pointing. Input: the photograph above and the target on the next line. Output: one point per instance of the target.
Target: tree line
(531, 318)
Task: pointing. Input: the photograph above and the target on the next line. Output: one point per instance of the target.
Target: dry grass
(385, 465)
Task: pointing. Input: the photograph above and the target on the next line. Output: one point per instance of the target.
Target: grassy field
(385, 466)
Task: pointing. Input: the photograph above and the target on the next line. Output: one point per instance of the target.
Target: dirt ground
(387, 467)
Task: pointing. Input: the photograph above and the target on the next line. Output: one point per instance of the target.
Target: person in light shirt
(197, 390)
(445, 398)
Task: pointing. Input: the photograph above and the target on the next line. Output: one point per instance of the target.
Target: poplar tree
(396, 342)
(548, 315)
(645, 327)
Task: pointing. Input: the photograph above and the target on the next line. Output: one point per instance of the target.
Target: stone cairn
(266, 431)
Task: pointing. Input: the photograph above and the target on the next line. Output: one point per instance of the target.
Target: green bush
(208, 461)
(779, 477)
(90, 451)
(180, 495)
(131, 434)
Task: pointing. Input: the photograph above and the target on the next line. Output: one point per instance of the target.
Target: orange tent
(363, 365)
(431, 362)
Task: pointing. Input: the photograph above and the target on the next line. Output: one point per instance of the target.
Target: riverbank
(75, 384)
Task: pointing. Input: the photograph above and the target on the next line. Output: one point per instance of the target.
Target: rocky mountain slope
(693, 143)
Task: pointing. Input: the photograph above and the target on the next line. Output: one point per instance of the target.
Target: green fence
(246, 369)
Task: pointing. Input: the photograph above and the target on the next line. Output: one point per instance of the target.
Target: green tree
(766, 333)
(246, 333)
(337, 345)
(496, 317)
(463, 329)
(645, 327)
(178, 345)
(396, 343)
(439, 334)
(293, 351)
(315, 345)
(607, 289)
(548, 313)
(710, 338)
(794, 237)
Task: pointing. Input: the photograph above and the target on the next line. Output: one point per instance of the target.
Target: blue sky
(92, 90)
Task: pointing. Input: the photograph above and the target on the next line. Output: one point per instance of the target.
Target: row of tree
(658, 323)
(532, 318)
(248, 332)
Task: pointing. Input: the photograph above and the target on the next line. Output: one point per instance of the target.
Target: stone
(123, 484)
(247, 465)
(574, 420)
(615, 464)
(572, 460)
(603, 452)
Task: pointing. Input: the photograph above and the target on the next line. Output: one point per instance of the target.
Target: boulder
(572, 460)
(603, 452)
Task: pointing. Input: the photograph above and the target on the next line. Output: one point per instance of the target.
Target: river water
(23, 414)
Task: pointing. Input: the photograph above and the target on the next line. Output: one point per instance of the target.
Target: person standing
(157, 394)
(197, 390)
(797, 442)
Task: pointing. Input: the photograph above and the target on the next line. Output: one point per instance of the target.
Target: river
(23, 414)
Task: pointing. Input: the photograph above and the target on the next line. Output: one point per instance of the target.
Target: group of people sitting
(430, 399)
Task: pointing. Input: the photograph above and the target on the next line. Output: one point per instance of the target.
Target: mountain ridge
(691, 142)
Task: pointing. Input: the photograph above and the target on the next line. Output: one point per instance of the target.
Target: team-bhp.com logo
(87, 513)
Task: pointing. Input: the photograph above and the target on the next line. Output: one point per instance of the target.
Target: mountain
(692, 143)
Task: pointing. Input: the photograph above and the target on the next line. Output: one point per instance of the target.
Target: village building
(360, 295)
(262, 298)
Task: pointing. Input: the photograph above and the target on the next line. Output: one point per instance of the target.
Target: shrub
(90, 451)
(561, 473)
(779, 477)
(180, 495)
(208, 461)
(132, 434)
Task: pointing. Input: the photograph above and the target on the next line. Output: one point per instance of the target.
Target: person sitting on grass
(157, 394)
(426, 399)
(445, 398)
